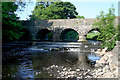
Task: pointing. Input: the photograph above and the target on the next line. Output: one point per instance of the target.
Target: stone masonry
(56, 26)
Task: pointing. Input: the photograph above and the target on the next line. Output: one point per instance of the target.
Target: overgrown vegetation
(108, 30)
(11, 26)
(92, 35)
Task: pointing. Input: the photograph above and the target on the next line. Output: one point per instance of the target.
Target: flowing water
(32, 62)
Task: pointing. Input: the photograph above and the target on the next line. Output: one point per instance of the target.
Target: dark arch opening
(69, 35)
(26, 35)
(93, 34)
(45, 35)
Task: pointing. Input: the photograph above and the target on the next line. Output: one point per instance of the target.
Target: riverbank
(56, 64)
(105, 67)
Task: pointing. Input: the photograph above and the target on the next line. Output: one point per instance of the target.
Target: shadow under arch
(27, 36)
(44, 35)
(69, 35)
(93, 34)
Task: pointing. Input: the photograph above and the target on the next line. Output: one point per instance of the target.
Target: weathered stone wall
(56, 26)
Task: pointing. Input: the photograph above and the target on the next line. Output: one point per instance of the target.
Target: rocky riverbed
(64, 72)
(105, 67)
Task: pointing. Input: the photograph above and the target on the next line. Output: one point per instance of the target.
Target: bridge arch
(94, 32)
(45, 35)
(26, 35)
(69, 34)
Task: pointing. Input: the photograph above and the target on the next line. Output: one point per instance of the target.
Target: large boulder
(107, 65)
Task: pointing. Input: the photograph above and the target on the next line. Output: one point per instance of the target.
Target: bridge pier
(56, 37)
(82, 38)
(34, 36)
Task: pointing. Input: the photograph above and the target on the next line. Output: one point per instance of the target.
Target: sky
(86, 8)
(24, 15)
(92, 9)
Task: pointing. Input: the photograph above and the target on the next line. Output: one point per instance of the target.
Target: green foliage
(107, 29)
(54, 10)
(93, 35)
(10, 24)
(118, 32)
(70, 36)
(50, 36)
(45, 35)
(80, 17)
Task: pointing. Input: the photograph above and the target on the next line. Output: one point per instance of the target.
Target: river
(46, 59)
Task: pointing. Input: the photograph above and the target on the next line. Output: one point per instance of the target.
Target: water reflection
(34, 61)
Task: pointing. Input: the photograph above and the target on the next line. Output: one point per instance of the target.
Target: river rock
(108, 75)
(72, 72)
(64, 69)
(77, 70)
(114, 60)
(115, 73)
(107, 65)
(99, 70)
(100, 62)
(106, 57)
(105, 69)
(100, 73)
(88, 70)
(56, 66)
(101, 52)
(79, 77)
(97, 64)
(113, 67)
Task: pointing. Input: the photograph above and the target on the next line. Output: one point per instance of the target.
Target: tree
(54, 10)
(78, 17)
(107, 29)
(10, 23)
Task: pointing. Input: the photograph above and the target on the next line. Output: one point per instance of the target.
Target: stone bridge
(57, 26)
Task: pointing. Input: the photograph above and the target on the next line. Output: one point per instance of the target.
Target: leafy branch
(107, 29)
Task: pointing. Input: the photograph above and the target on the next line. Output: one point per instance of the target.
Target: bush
(107, 29)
